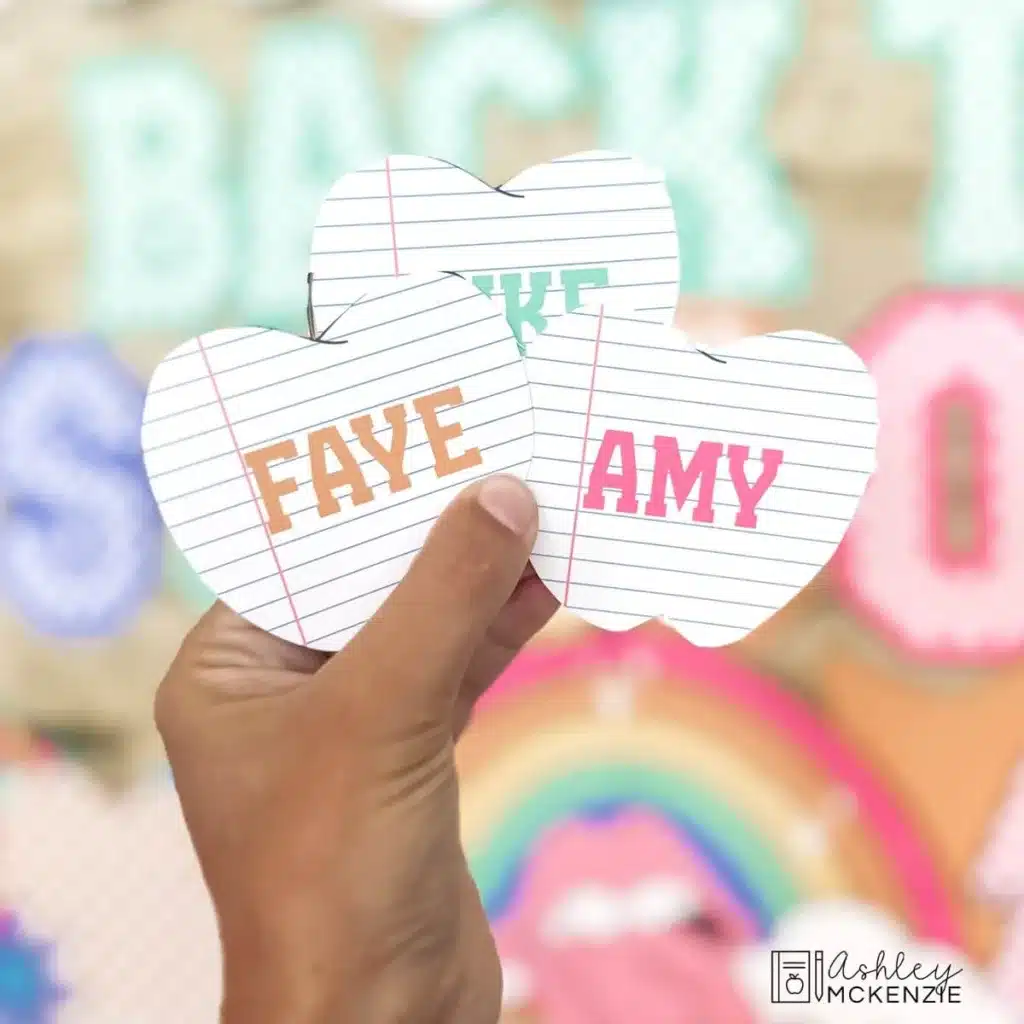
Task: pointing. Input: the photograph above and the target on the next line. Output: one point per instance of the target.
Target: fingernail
(509, 501)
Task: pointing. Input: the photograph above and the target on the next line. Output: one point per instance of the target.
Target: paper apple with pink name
(704, 489)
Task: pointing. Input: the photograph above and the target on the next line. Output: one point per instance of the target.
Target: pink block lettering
(895, 565)
(965, 393)
(602, 478)
(750, 494)
(668, 464)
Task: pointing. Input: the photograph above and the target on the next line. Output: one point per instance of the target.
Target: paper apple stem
(310, 315)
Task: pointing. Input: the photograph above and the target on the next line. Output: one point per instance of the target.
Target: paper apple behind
(300, 478)
(589, 220)
(705, 489)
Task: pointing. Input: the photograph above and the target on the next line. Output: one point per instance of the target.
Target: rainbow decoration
(756, 788)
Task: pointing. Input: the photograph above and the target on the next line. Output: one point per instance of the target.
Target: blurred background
(854, 167)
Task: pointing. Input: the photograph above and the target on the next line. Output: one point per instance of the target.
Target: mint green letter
(573, 281)
(509, 55)
(976, 220)
(485, 282)
(315, 116)
(686, 86)
(152, 135)
(515, 312)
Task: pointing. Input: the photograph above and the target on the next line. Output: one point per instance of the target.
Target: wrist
(277, 985)
(258, 1004)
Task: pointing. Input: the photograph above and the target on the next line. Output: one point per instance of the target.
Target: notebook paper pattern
(300, 479)
(550, 235)
(707, 490)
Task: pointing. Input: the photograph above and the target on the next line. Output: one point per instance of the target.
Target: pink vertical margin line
(706, 671)
(391, 212)
(252, 490)
(583, 455)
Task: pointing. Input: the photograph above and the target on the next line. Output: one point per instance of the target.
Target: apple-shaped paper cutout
(300, 479)
(706, 489)
(591, 220)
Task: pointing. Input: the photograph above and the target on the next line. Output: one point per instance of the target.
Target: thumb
(415, 650)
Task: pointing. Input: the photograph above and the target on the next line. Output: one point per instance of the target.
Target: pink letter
(625, 481)
(749, 496)
(667, 463)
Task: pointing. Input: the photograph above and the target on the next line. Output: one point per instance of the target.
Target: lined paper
(229, 393)
(803, 394)
(411, 214)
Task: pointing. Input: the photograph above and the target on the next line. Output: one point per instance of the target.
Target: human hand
(320, 791)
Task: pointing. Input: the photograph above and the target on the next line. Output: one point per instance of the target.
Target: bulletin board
(847, 167)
